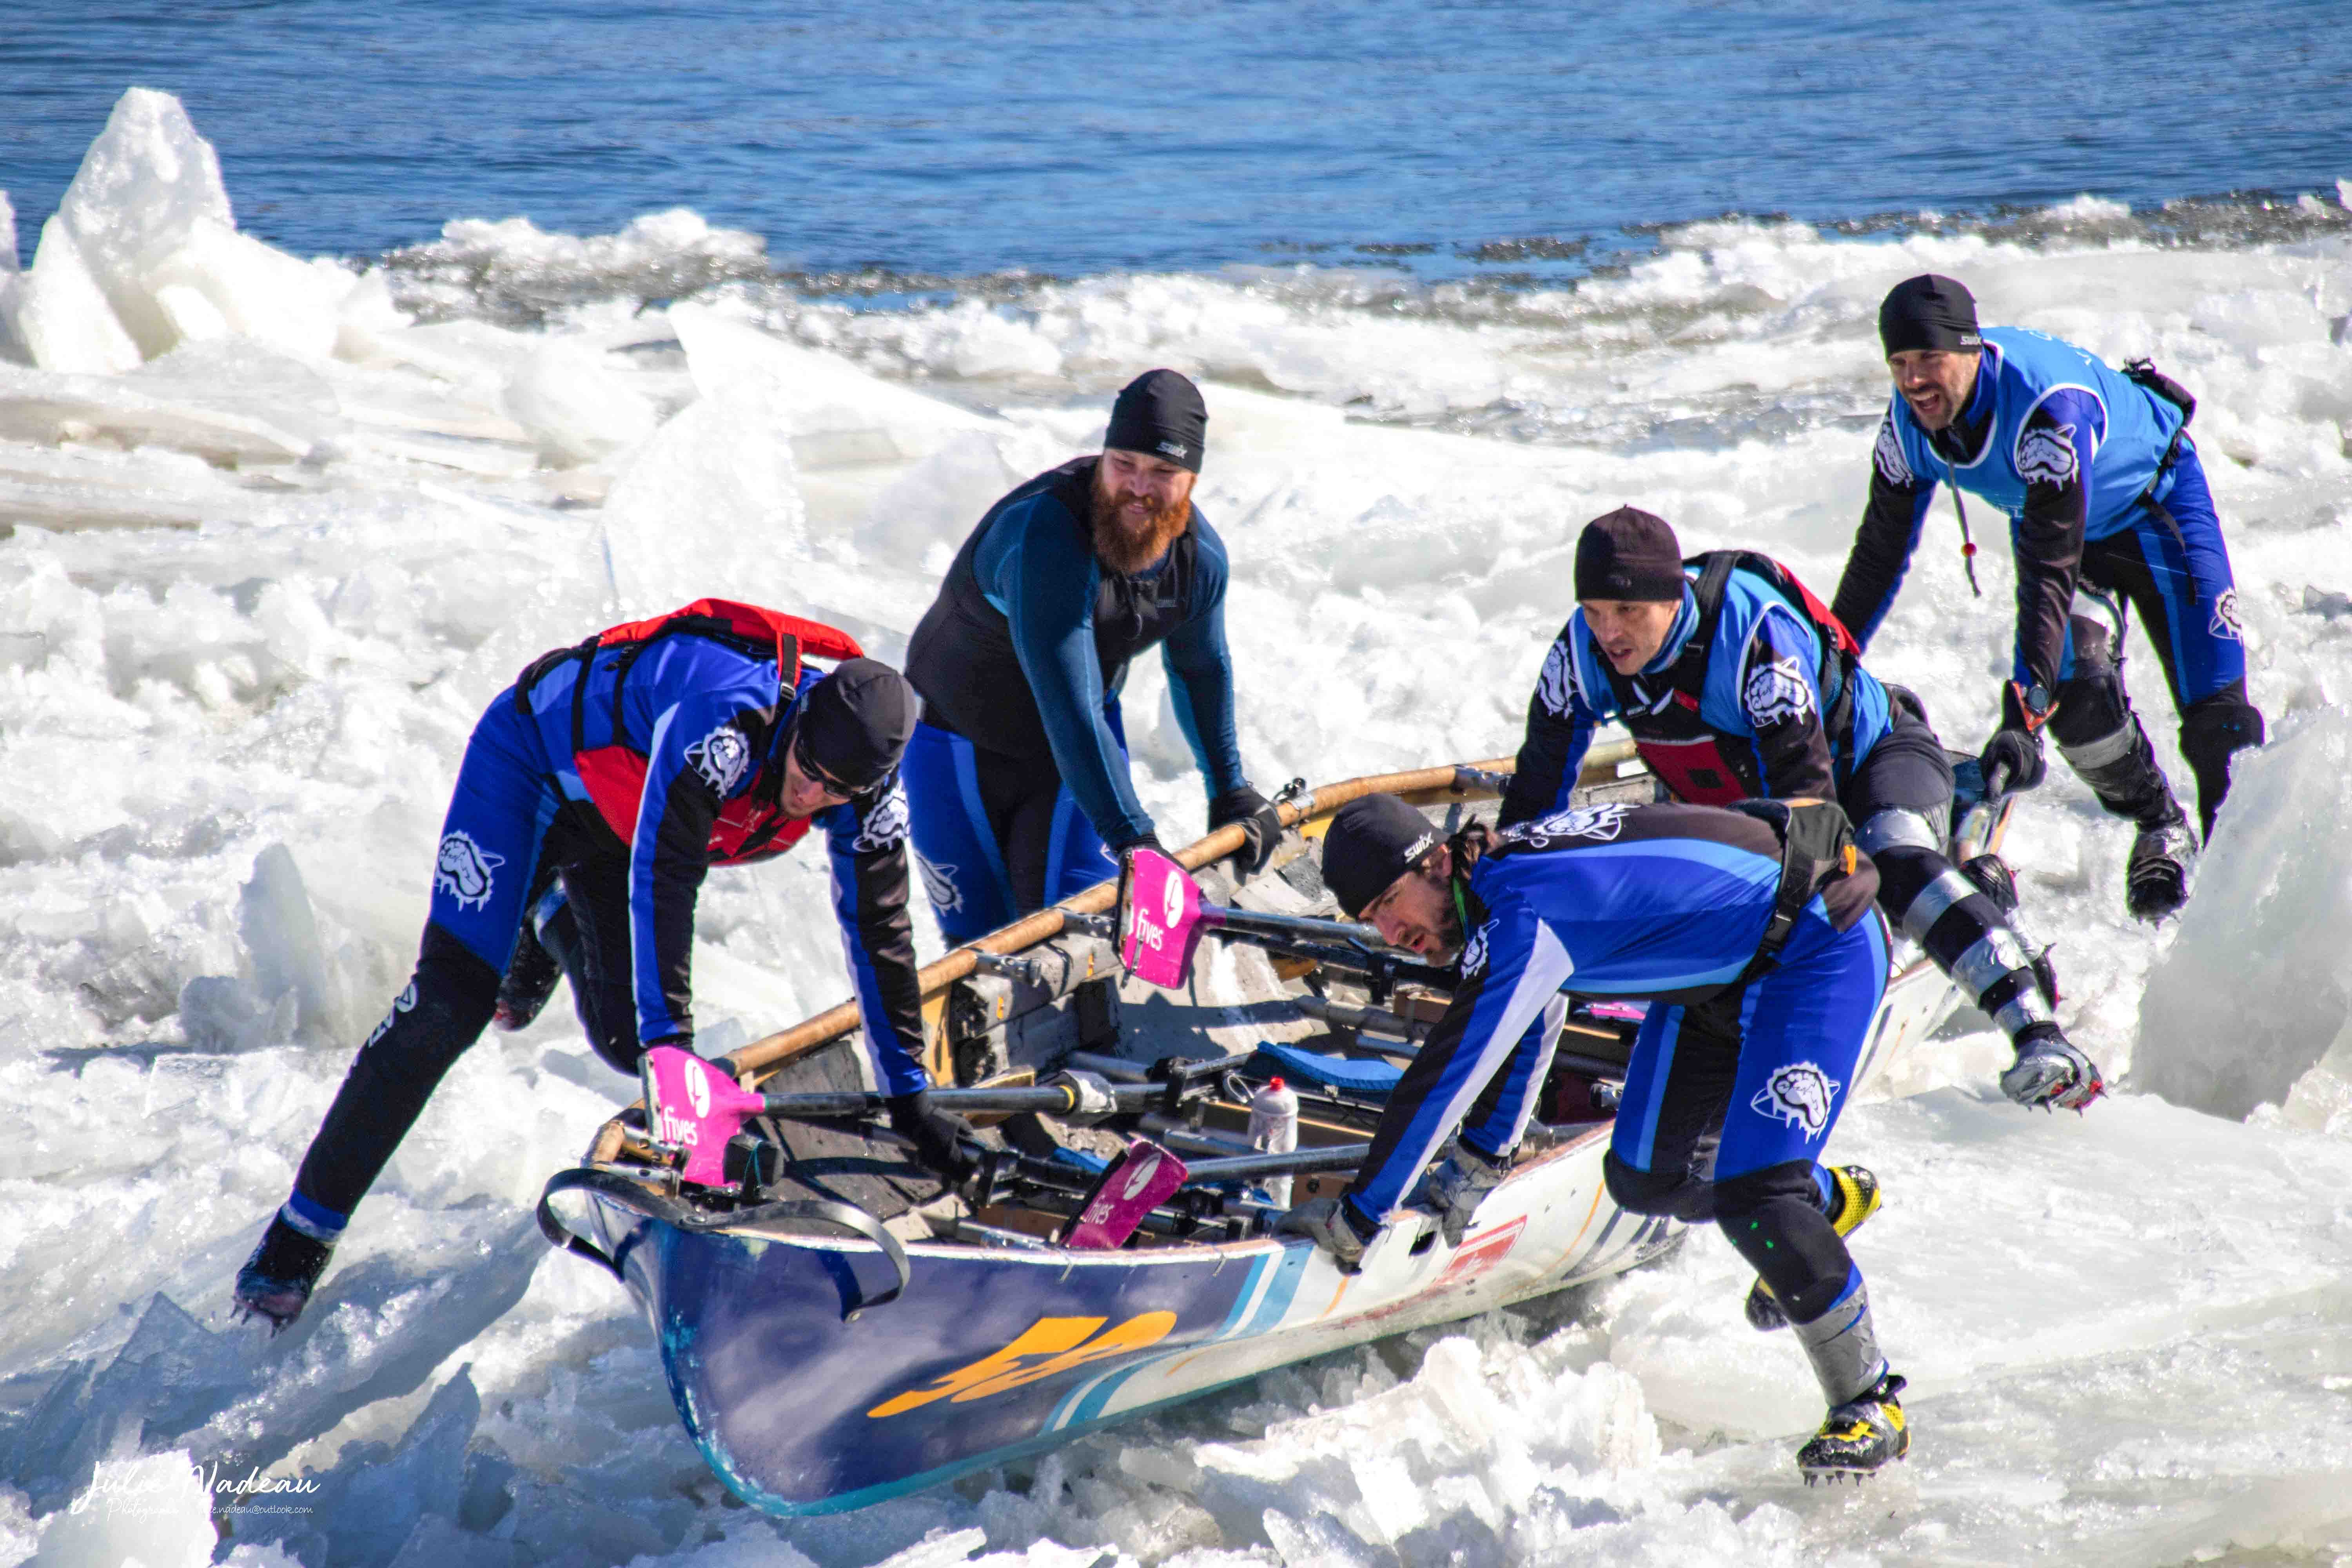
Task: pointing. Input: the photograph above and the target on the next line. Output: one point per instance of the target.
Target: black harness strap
(1817, 849)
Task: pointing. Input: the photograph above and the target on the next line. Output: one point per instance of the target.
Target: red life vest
(1697, 762)
(752, 825)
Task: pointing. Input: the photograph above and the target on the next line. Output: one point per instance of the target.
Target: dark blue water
(962, 138)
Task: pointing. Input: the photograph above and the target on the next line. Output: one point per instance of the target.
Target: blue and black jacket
(1753, 694)
(1029, 637)
(2065, 445)
(1668, 902)
(672, 744)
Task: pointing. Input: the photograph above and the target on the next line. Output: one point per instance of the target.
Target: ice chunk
(834, 413)
(281, 932)
(2253, 989)
(568, 396)
(154, 1511)
(62, 316)
(714, 484)
(144, 187)
(223, 281)
(10, 281)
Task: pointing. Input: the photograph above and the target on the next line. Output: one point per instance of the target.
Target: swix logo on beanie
(463, 869)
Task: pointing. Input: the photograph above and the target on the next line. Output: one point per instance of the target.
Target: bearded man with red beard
(1017, 776)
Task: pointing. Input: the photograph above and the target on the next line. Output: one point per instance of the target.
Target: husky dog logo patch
(939, 882)
(1474, 954)
(1777, 692)
(2046, 456)
(885, 826)
(1599, 823)
(1800, 1094)
(1888, 455)
(720, 757)
(463, 869)
(2226, 623)
(1556, 687)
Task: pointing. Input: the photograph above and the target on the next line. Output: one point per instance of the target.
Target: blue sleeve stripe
(894, 1074)
(1507, 1008)
(654, 1019)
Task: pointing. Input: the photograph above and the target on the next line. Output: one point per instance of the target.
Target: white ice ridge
(257, 592)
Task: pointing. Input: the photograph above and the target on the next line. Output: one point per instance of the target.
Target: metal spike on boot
(275, 1283)
(1858, 1437)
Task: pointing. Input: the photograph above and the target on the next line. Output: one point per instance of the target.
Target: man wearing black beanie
(595, 794)
(1018, 772)
(1737, 684)
(2108, 506)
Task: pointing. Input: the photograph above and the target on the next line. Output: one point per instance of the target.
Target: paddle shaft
(1052, 1102)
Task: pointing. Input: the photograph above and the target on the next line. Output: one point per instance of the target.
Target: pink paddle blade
(1158, 920)
(1143, 1177)
(690, 1106)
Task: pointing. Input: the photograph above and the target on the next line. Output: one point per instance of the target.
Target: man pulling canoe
(1752, 931)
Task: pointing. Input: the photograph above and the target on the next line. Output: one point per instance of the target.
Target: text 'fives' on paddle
(691, 1107)
(1159, 919)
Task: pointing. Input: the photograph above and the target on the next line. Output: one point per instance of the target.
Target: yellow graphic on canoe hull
(1061, 1342)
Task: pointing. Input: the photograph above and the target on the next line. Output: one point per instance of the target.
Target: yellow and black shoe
(1858, 1437)
(1857, 1199)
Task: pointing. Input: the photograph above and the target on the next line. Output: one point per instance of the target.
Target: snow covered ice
(282, 529)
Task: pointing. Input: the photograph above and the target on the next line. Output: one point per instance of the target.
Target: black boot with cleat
(277, 1280)
(1860, 1437)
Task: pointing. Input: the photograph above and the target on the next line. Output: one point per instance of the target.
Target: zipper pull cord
(1967, 544)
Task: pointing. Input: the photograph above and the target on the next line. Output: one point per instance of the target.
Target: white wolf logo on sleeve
(886, 821)
(938, 883)
(1800, 1094)
(1777, 692)
(463, 869)
(1888, 454)
(2046, 456)
(1602, 823)
(1556, 687)
(720, 757)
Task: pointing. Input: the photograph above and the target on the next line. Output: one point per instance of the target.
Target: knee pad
(1752, 1190)
(1677, 1194)
(1773, 1218)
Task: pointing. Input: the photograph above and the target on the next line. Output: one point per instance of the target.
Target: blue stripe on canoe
(1065, 1411)
(1270, 1309)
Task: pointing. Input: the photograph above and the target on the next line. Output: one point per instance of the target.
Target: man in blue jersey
(595, 794)
(1018, 771)
(1736, 683)
(2108, 511)
(1753, 936)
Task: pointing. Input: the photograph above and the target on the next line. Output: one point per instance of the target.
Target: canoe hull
(802, 1408)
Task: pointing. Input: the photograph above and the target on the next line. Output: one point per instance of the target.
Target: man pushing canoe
(1754, 931)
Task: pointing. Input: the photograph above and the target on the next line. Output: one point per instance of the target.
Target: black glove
(2017, 746)
(1261, 824)
(939, 1136)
